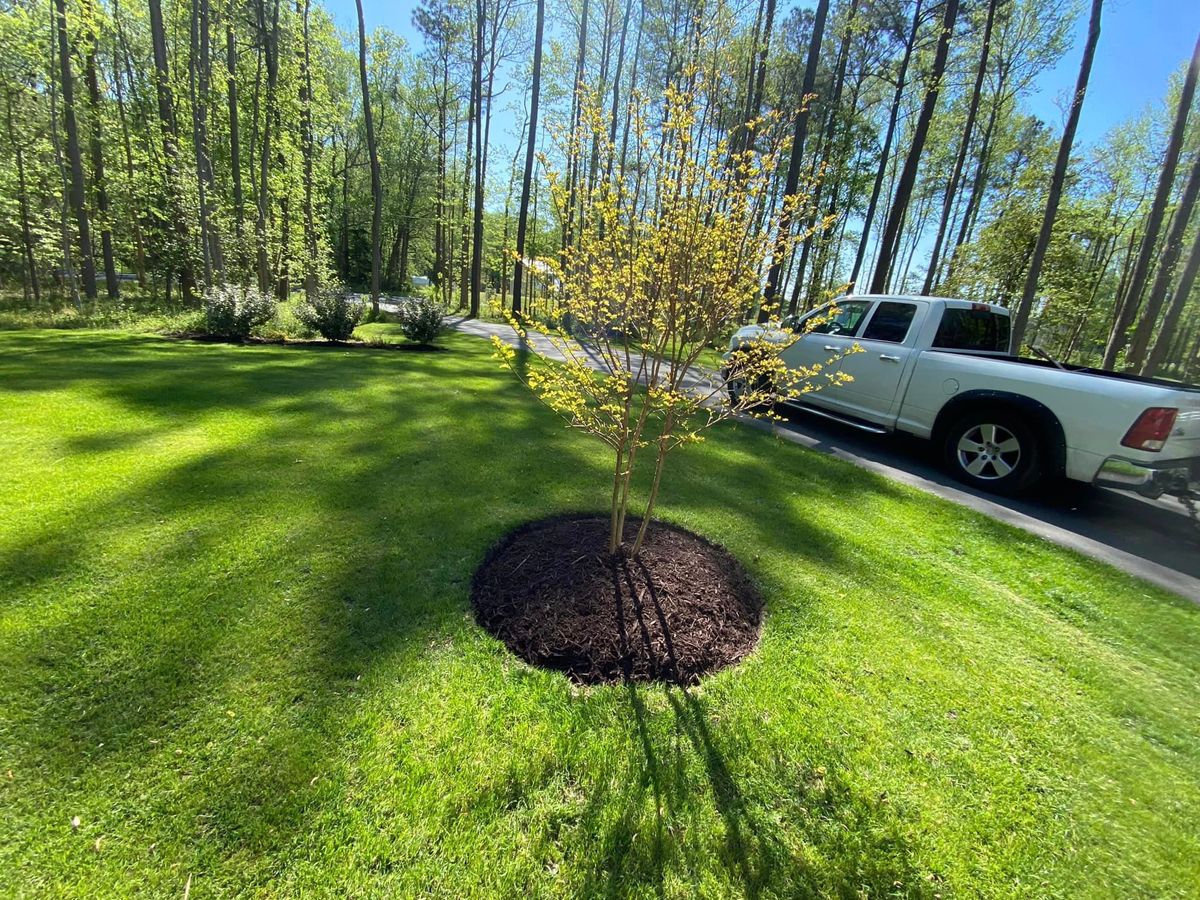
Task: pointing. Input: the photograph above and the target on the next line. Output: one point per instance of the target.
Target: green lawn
(235, 642)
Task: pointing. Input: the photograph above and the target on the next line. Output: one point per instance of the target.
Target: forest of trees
(155, 149)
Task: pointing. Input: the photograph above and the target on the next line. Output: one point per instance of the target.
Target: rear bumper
(1177, 476)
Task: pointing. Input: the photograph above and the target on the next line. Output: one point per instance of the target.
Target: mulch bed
(556, 598)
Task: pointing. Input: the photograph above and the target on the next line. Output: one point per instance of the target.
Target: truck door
(828, 332)
(886, 342)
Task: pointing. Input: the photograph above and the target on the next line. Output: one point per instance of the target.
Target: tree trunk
(480, 164)
(885, 151)
(978, 185)
(139, 243)
(793, 173)
(1128, 309)
(961, 157)
(372, 152)
(1166, 268)
(530, 147)
(270, 39)
(78, 194)
(908, 175)
(170, 139)
(199, 67)
(831, 123)
(576, 112)
(1057, 180)
(235, 144)
(27, 243)
(306, 147)
(1178, 300)
(99, 185)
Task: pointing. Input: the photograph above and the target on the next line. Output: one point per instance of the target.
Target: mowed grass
(236, 643)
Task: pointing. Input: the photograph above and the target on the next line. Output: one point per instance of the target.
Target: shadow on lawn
(852, 845)
(373, 516)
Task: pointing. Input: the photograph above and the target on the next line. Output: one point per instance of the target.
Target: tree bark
(480, 164)
(1057, 180)
(527, 178)
(78, 193)
(576, 112)
(885, 151)
(306, 149)
(908, 175)
(961, 157)
(1166, 268)
(270, 40)
(235, 143)
(372, 152)
(1179, 299)
(27, 243)
(170, 140)
(793, 173)
(831, 123)
(99, 184)
(1128, 309)
(139, 244)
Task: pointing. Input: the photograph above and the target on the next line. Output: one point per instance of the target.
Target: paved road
(1153, 539)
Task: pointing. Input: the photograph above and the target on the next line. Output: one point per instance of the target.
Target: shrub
(420, 320)
(332, 313)
(232, 311)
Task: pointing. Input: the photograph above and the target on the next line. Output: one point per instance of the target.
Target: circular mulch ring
(553, 594)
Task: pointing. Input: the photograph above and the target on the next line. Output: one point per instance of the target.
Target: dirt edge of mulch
(683, 609)
(204, 338)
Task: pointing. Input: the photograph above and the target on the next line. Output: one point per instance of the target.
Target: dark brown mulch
(553, 594)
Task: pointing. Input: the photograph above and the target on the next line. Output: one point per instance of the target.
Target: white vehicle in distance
(942, 369)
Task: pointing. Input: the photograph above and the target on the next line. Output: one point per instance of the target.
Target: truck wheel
(993, 451)
(736, 388)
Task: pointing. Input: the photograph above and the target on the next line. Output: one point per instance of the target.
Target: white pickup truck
(941, 369)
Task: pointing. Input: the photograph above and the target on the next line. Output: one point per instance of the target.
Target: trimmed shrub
(231, 311)
(420, 320)
(333, 314)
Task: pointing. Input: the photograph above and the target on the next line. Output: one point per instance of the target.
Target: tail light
(1151, 429)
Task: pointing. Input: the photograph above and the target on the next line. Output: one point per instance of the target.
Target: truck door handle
(889, 358)
(830, 348)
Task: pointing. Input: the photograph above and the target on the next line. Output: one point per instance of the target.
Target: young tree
(655, 281)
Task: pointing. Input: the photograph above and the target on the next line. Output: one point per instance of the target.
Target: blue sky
(1141, 43)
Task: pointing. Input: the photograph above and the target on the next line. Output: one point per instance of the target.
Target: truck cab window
(890, 322)
(845, 318)
(972, 329)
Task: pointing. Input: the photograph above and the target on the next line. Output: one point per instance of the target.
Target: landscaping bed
(557, 598)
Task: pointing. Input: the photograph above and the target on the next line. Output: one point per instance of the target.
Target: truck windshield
(972, 329)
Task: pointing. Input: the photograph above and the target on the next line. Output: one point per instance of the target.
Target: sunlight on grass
(237, 644)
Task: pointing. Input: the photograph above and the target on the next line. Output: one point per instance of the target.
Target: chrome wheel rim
(988, 452)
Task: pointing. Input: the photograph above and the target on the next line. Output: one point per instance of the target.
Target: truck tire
(993, 450)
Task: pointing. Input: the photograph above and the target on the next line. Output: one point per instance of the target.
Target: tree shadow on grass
(801, 831)
(380, 526)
